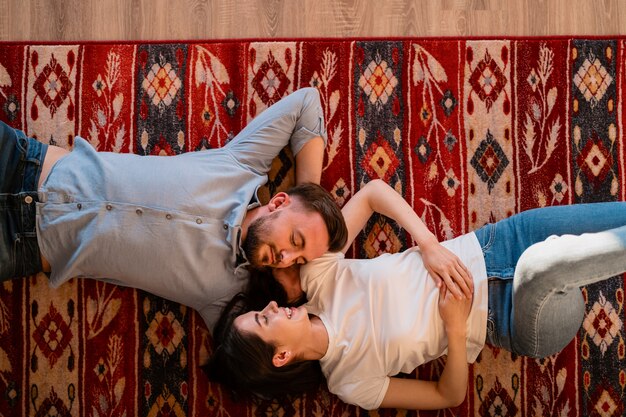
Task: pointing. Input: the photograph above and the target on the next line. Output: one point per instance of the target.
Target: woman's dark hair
(243, 361)
(315, 198)
(262, 288)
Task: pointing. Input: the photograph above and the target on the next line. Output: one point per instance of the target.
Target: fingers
(463, 278)
(449, 270)
(453, 287)
(456, 284)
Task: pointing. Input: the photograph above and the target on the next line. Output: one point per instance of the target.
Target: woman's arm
(378, 197)
(451, 388)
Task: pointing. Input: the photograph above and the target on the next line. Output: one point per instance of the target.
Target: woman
(368, 320)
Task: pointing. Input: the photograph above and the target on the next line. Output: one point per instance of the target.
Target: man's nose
(287, 258)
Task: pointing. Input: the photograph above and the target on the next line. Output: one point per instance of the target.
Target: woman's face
(280, 326)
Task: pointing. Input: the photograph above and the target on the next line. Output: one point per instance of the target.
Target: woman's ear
(279, 199)
(281, 358)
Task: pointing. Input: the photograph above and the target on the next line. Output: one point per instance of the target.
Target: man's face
(285, 237)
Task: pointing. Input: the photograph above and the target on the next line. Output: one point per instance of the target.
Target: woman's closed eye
(263, 317)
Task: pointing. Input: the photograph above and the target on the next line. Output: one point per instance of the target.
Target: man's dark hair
(314, 198)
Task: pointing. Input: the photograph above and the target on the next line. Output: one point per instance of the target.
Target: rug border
(317, 39)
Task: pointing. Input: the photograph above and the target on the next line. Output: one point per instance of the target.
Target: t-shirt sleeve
(366, 393)
(312, 274)
(293, 120)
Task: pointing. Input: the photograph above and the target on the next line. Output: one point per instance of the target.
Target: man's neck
(251, 215)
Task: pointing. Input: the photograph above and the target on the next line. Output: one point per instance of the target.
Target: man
(184, 227)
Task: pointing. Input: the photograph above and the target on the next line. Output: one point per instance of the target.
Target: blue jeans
(520, 318)
(21, 160)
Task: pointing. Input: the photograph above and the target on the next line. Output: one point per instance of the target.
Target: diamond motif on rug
(606, 403)
(488, 80)
(450, 140)
(231, 103)
(52, 85)
(448, 102)
(165, 333)
(558, 187)
(381, 239)
(602, 323)
(595, 160)
(422, 149)
(270, 82)
(489, 161)
(380, 161)
(52, 335)
(11, 107)
(592, 79)
(450, 182)
(378, 81)
(340, 192)
(161, 83)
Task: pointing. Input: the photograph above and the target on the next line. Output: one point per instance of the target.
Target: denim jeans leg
(504, 242)
(21, 160)
(499, 306)
(548, 306)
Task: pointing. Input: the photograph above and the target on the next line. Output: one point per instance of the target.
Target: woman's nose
(272, 307)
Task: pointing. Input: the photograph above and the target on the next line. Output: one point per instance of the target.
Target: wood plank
(212, 19)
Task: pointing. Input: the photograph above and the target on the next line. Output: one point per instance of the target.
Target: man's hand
(289, 278)
(446, 268)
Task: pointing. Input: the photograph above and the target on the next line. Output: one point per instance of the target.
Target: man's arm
(296, 120)
(309, 161)
(378, 197)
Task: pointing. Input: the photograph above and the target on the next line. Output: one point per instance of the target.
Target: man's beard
(252, 244)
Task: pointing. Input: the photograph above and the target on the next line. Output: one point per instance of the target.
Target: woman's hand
(453, 311)
(446, 268)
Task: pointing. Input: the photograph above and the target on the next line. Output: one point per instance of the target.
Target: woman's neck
(318, 344)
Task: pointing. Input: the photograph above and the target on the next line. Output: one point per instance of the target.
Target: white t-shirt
(382, 316)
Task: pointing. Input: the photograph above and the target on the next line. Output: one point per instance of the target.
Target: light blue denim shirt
(169, 225)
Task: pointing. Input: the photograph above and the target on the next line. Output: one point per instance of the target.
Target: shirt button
(109, 207)
(28, 199)
(168, 216)
(225, 227)
(80, 206)
(199, 221)
(139, 212)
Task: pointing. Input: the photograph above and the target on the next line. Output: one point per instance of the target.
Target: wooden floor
(67, 20)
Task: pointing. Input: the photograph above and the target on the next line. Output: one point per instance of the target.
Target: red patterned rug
(468, 131)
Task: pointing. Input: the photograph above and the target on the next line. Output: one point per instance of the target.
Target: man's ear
(281, 358)
(279, 200)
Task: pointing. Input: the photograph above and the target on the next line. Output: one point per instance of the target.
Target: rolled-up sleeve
(295, 120)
